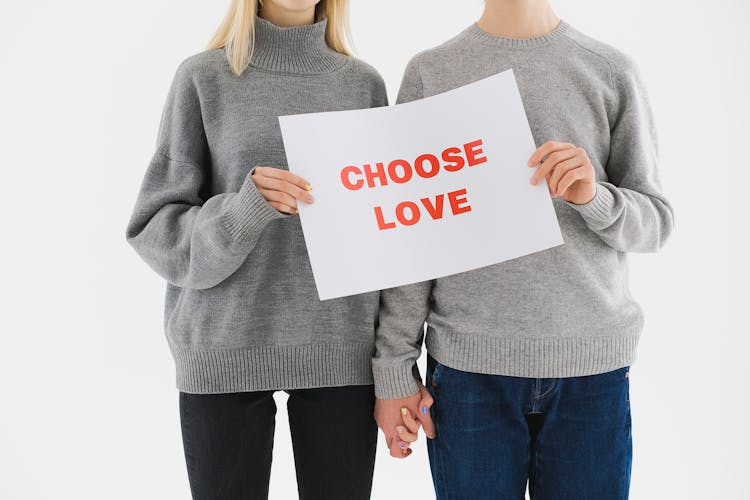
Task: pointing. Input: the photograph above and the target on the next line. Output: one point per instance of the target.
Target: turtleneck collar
(299, 49)
(474, 31)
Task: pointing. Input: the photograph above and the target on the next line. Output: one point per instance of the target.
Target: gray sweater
(241, 309)
(562, 312)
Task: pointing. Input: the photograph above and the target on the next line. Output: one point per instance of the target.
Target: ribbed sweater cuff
(394, 381)
(598, 212)
(248, 212)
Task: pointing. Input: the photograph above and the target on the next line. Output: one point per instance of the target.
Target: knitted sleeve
(191, 239)
(629, 211)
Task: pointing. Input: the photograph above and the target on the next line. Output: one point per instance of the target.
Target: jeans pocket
(434, 370)
(627, 384)
(432, 381)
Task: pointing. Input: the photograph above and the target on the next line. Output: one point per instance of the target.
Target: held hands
(400, 420)
(282, 189)
(568, 171)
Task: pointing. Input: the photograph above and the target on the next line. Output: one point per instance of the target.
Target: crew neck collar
(475, 32)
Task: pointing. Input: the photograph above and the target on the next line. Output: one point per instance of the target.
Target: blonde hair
(236, 34)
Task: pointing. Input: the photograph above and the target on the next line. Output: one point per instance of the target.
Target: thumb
(424, 416)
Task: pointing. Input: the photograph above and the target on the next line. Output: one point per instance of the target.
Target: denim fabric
(567, 438)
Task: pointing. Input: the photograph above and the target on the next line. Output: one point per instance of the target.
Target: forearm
(398, 340)
(193, 244)
(628, 220)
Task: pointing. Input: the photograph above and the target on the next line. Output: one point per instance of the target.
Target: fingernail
(424, 409)
(310, 199)
(404, 411)
(403, 445)
(308, 187)
(296, 210)
(400, 429)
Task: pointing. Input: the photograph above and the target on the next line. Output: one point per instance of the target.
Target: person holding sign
(528, 360)
(216, 217)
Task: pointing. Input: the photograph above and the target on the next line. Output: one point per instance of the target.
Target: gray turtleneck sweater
(241, 310)
(562, 312)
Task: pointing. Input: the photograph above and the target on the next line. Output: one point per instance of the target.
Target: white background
(89, 410)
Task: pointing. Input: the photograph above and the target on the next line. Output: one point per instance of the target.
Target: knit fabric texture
(562, 312)
(241, 309)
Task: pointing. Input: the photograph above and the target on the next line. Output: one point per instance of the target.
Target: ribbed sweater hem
(534, 358)
(264, 368)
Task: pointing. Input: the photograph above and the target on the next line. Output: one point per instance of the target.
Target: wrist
(586, 196)
(598, 211)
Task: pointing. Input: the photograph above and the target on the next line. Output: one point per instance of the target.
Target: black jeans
(228, 441)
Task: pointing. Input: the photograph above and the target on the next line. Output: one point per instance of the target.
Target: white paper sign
(420, 190)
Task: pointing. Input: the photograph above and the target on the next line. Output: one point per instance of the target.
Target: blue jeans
(569, 438)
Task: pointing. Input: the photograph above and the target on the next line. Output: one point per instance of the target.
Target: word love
(426, 166)
(409, 213)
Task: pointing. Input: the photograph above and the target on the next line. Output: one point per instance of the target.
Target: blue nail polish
(402, 445)
(424, 409)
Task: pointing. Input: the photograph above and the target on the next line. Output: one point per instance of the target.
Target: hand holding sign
(431, 188)
(568, 171)
(281, 188)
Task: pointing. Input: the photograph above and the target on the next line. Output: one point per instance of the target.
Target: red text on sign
(408, 213)
(425, 166)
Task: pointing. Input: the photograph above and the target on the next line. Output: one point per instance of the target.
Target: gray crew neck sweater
(241, 309)
(562, 312)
